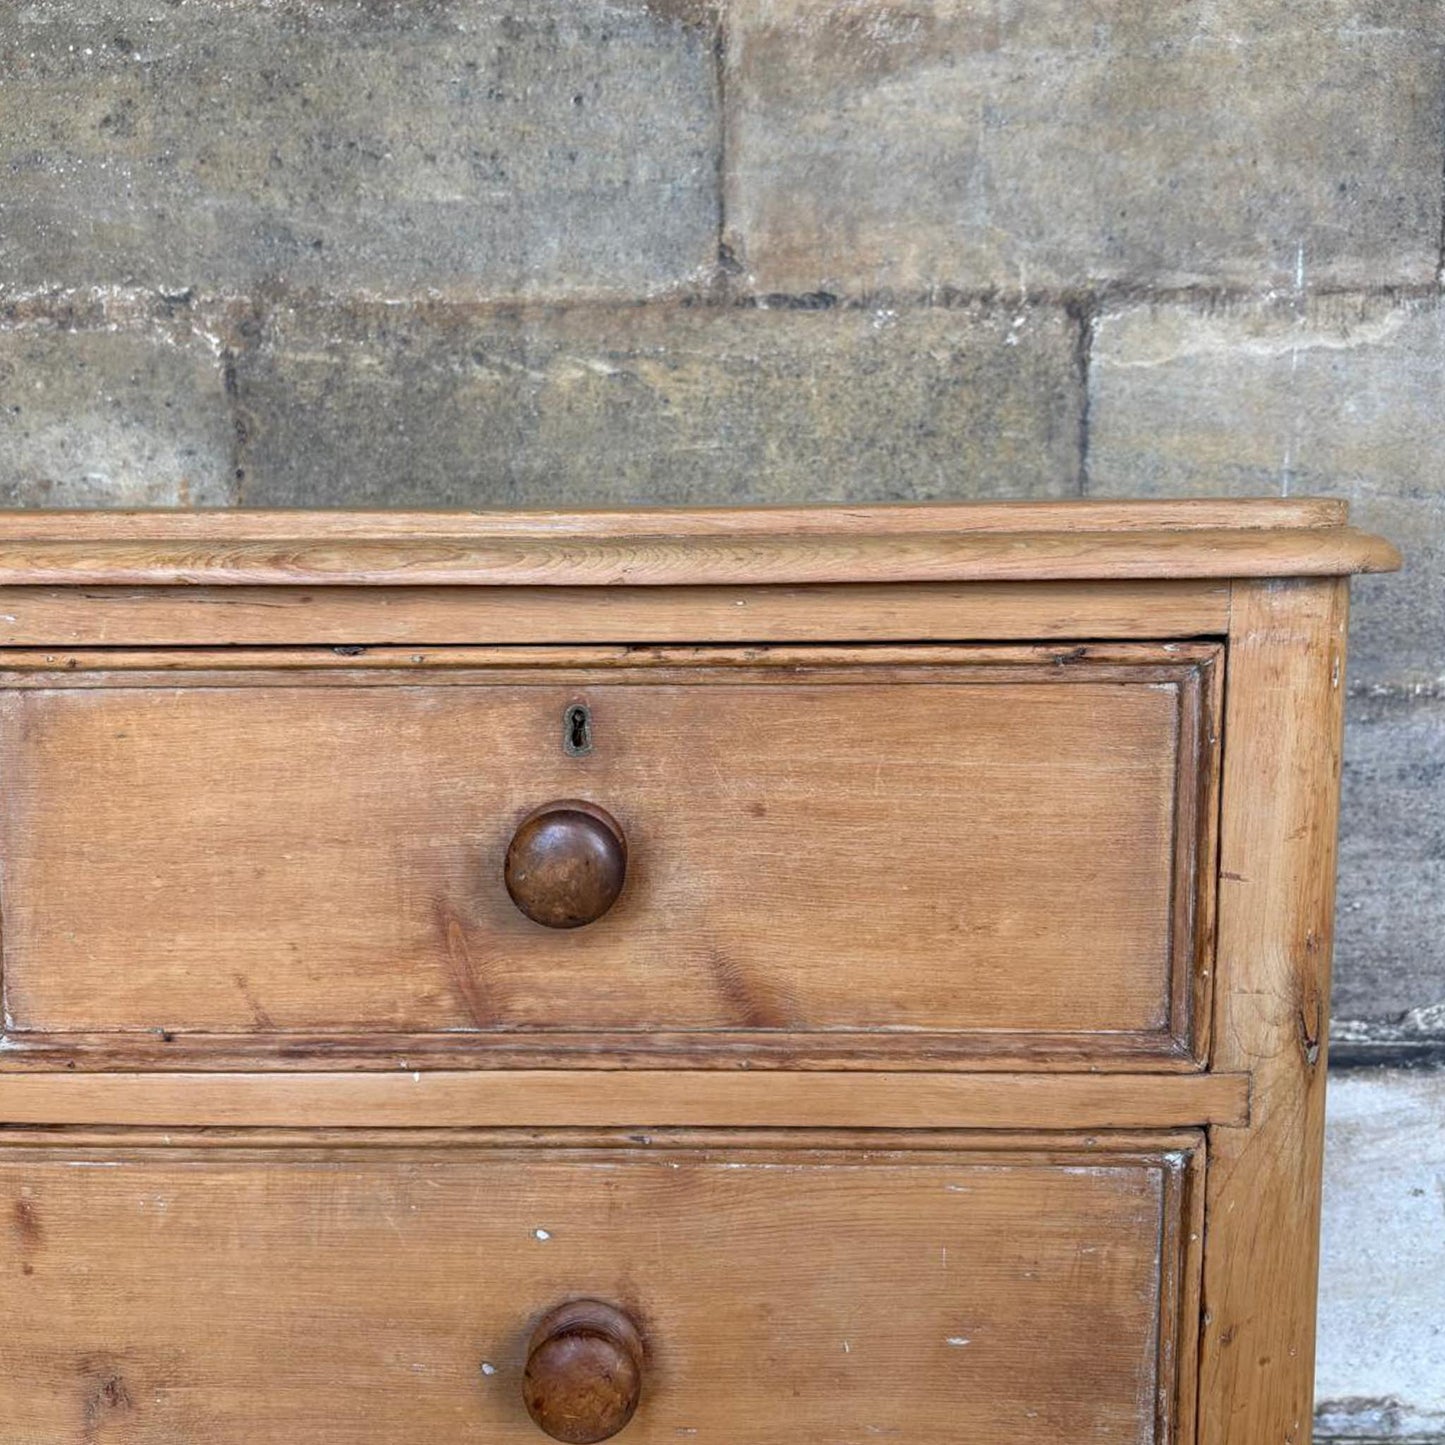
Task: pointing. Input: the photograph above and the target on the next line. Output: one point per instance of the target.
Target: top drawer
(832, 855)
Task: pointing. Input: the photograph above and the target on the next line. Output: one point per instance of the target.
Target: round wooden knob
(566, 864)
(584, 1372)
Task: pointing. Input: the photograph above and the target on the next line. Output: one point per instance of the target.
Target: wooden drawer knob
(584, 1372)
(566, 864)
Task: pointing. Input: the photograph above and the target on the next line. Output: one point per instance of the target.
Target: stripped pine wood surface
(657, 1098)
(321, 843)
(347, 1297)
(665, 560)
(1276, 917)
(923, 1037)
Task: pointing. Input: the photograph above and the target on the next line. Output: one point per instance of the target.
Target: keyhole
(577, 730)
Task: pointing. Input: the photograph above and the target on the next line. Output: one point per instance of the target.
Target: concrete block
(602, 405)
(1337, 396)
(391, 146)
(911, 144)
(112, 418)
(1390, 920)
(1381, 1363)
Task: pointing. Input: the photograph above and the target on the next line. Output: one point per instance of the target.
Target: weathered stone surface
(1382, 1288)
(1336, 396)
(1390, 929)
(916, 143)
(112, 418)
(1342, 398)
(598, 405)
(491, 147)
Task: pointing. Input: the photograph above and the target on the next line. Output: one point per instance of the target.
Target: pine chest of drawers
(738, 977)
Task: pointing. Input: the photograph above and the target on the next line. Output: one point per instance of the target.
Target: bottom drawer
(339, 1295)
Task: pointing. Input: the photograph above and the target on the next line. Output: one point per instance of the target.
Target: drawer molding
(906, 1050)
(657, 1098)
(284, 882)
(1033, 1293)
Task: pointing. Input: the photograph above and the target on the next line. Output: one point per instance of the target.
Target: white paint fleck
(958, 1341)
(488, 1368)
(542, 1234)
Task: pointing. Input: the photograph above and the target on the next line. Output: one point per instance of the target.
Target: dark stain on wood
(462, 971)
(264, 1022)
(27, 1224)
(106, 1395)
(30, 1233)
(1310, 1013)
(756, 1003)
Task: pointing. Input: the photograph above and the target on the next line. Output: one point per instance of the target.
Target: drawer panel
(346, 1297)
(1004, 850)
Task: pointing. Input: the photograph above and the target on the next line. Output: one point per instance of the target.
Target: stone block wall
(553, 252)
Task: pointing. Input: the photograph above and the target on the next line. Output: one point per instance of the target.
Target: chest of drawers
(749, 977)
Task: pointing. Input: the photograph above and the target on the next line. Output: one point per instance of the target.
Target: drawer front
(345, 1297)
(1001, 850)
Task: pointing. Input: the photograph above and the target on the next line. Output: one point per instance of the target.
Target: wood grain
(1276, 911)
(237, 524)
(817, 842)
(341, 1299)
(649, 1098)
(743, 558)
(856, 1100)
(939, 611)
